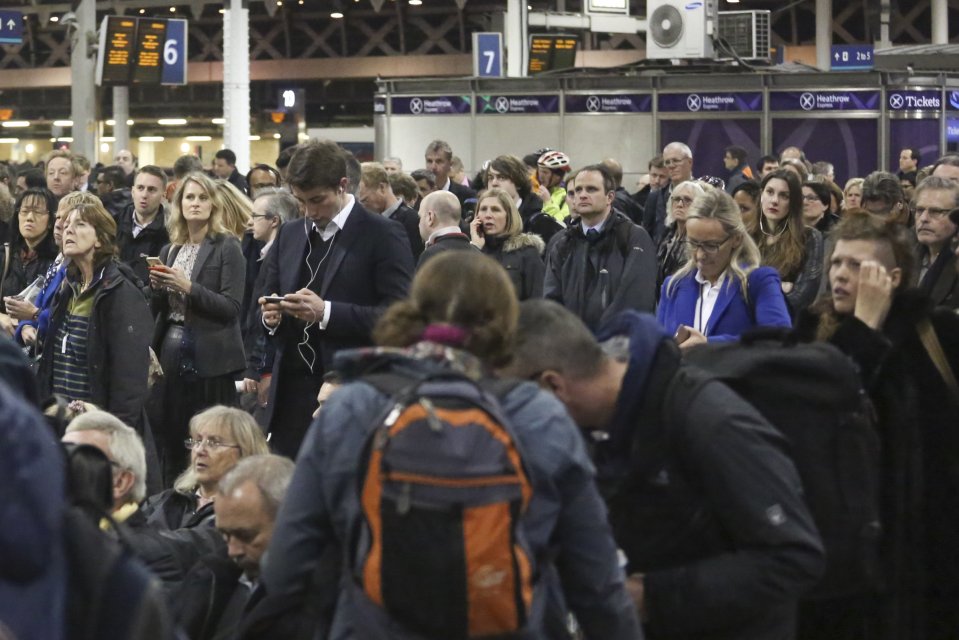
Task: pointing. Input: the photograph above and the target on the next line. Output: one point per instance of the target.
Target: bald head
(437, 210)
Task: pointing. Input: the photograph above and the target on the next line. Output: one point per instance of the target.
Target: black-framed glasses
(933, 212)
(709, 248)
(260, 215)
(210, 443)
(812, 197)
(681, 200)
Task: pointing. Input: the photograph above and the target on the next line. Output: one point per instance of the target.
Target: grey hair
(269, 473)
(683, 148)
(935, 183)
(126, 447)
(695, 185)
(550, 337)
(282, 203)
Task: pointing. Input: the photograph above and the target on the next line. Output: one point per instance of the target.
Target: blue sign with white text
(913, 100)
(823, 100)
(518, 104)
(488, 55)
(851, 57)
(952, 129)
(174, 53)
(710, 102)
(11, 27)
(609, 103)
(431, 105)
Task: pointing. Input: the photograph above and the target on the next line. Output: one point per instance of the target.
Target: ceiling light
(172, 122)
(108, 139)
(30, 148)
(111, 123)
(54, 18)
(172, 9)
(67, 139)
(16, 124)
(218, 120)
(221, 10)
(185, 147)
(300, 3)
(254, 138)
(9, 140)
(415, 3)
(151, 138)
(199, 138)
(129, 122)
(276, 136)
(142, 11)
(336, 15)
(279, 3)
(63, 123)
(104, 147)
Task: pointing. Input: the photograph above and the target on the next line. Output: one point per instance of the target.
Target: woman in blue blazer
(721, 291)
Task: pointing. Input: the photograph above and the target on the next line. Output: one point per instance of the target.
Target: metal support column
(121, 113)
(236, 83)
(83, 103)
(517, 27)
(940, 22)
(823, 33)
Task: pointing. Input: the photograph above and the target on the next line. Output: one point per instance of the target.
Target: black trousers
(295, 402)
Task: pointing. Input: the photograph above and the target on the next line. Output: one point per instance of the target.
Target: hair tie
(449, 334)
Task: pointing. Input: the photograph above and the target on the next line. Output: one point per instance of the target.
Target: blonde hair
(243, 429)
(719, 205)
(514, 223)
(237, 208)
(176, 223)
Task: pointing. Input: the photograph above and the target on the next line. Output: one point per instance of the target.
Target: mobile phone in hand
(273, 299)
(682, 334)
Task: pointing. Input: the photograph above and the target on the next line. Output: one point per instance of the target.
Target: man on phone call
(336, 269)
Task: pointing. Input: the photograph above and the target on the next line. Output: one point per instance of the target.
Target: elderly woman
(672, 250)
(198, 291)
(97, 343)
(721, 291)
(447, 327)
(31, 249)
(497, 230)
(219, 437)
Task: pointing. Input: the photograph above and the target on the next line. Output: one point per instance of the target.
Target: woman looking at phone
(497, 230)
(721, 291)
(198, 291)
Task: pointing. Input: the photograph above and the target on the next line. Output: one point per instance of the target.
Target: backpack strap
(6, 264)
(930, 341)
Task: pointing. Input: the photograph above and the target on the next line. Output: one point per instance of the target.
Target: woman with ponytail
(458, 323)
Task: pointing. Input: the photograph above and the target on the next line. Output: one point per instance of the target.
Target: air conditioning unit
(746, 32)
(680, 28)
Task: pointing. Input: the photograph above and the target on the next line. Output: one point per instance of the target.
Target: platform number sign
(488, 55)
(175, 53)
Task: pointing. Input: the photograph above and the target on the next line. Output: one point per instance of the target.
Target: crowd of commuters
(191, 334)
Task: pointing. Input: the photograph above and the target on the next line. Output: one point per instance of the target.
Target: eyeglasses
(933, 212)
(810, 198)
(681, 200)
(709, 248)
(35, 213)
(210, 443)
(672, 162)
(260, 215)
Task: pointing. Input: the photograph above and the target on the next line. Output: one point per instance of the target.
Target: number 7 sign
(488, 55)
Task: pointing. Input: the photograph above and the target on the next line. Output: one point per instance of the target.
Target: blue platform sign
(952, 129)
(823, 100)
(914, 100)
(488, 55)
(609, 103)
(851, 57)
(710, 102)
(518, 104)
(431, 105)
(174, 53)
(11, 27)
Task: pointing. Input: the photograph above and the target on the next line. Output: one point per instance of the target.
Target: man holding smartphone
(141, 227)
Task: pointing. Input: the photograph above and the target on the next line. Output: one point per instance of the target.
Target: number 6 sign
(175, 53)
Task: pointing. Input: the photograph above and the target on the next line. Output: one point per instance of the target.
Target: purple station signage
(710, 102)
(500, 105)
(913, 100)
(609, 103)
(824, 100)
(431, 105)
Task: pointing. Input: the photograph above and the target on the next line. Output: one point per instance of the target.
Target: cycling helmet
(556, 160)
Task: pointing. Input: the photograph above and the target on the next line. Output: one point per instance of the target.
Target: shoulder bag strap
(6, 264)
(927, 334)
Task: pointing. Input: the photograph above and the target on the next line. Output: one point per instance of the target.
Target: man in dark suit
(439, 226)
(376, 195)
(439, 157)
(338, 269)
(935, 231)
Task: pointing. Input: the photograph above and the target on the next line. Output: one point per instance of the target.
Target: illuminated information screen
(119, 53)
(151, 34)
(551, 52)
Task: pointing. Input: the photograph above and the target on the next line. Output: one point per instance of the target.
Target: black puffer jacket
(171, 510)
(520, 256)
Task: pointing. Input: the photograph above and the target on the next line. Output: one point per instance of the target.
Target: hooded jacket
(703, 499)
(520, 256)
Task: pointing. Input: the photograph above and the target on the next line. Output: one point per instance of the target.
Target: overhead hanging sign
(851, 57)
(11, 27)
(175, 53)
(488, 55)
(548, 52)
(142, 51)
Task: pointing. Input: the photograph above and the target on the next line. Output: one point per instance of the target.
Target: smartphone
(480, 231)
(273, 299)
(153, 261)
(682, 334)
